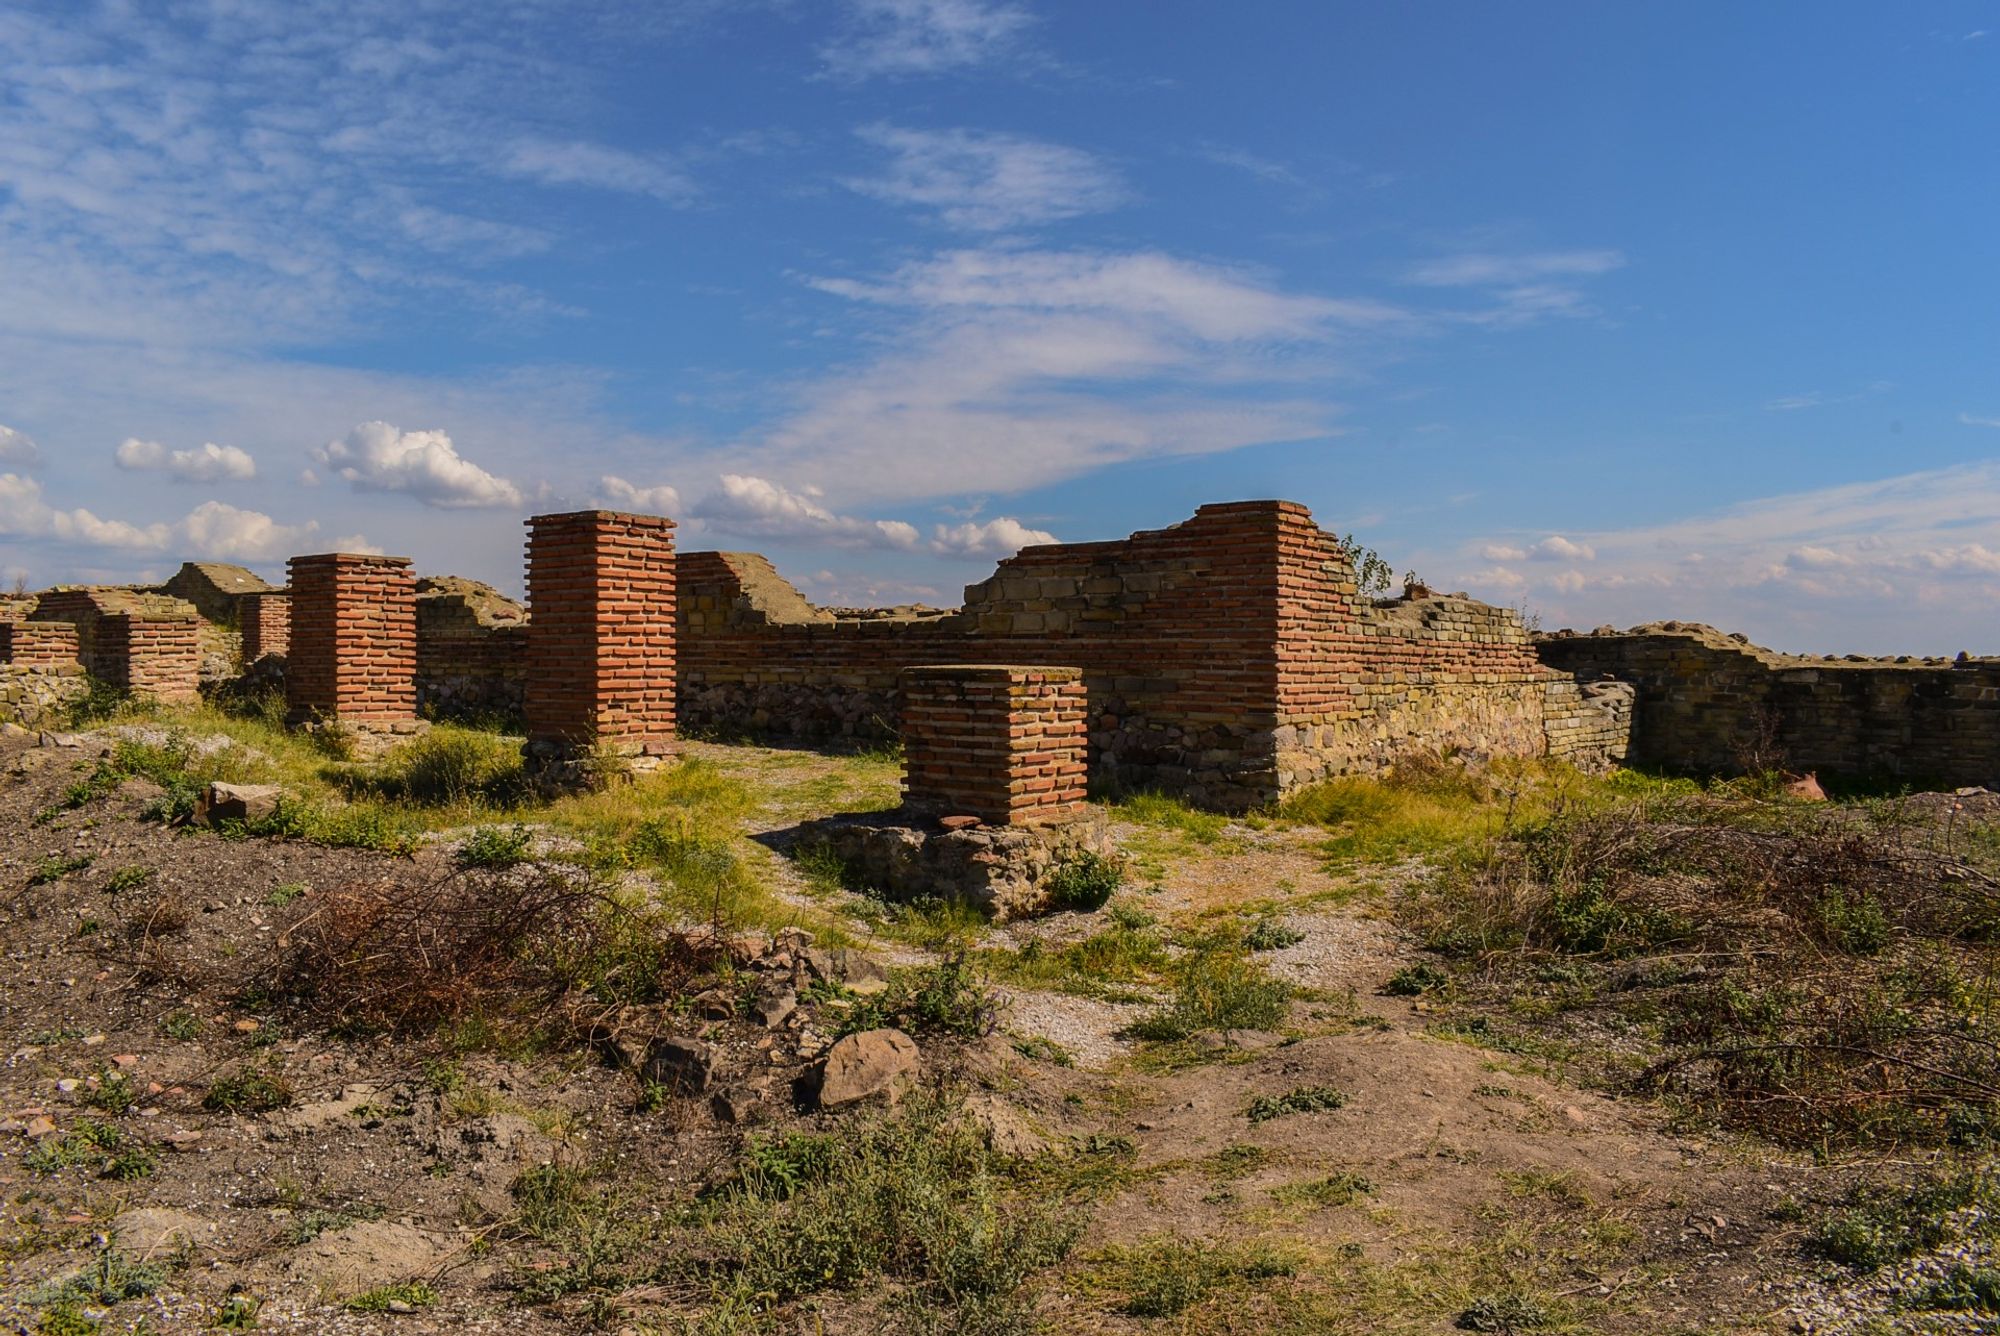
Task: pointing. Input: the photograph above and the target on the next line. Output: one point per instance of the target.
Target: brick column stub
(601, 635)
(353, 650)
(1006, 743)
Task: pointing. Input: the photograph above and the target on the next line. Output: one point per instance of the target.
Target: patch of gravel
(1851, 1306)
(1338, 952)
(1087, 1027)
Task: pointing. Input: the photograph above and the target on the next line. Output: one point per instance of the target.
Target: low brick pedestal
(1001, 742)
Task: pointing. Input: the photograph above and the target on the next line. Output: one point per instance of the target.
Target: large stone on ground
(238, 802)
(875, 1064)
(682, 1066)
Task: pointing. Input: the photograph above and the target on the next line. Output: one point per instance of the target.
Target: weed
(305, 1226)
(1169, 812)
(284, 894)
(128, 879)
(1044, 1049)
(52, 868)
(66, 1319)
(1083, 881)
(1216, 988)
(1302, 1099)
(1503, 1313)
(1880, 1226)
(494, 847)
(114, 1092)
(181, 1025)
(449, 766)
(946, 998)
(1961, 1289)
(1414, 980)
(400, 1298)
(112, 1278)
(1166, 1275)
(1268, 934)
(93, 1144)
(236, 1312)
(1340, 1189)
(251, 1090)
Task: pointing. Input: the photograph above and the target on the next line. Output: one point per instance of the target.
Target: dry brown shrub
(529, 945)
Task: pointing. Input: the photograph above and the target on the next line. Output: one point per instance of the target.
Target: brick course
(152, 656)
(1000, 742)
(353, 653)
(39, 644)
(267, 624)
(601, 634)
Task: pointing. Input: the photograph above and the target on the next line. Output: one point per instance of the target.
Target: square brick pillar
(1004, 743)
(600, 641)
(152, 656)
(266, 620)
(353, 652)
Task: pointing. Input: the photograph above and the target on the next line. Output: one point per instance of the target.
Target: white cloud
(377, 457)
(619, 494)
(212, 530)
(1503, 552)
(598, 166)
(1972, 421)
(208, 463)
(984, 182)
(1557, 548)
(750, 505)
(919, 37)
(1487, 269)
(998, 537)
(18, 448)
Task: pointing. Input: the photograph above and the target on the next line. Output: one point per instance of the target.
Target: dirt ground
(1480, 1169)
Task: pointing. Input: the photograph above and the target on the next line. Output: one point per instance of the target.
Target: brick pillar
(1000, 742)
(40, 644)
(353, 652)
(267, 624)
(600, 636)
(151, 656)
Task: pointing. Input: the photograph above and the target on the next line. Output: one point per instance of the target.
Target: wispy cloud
(213, 529)
(1487, 269)
(1974, 420)
(1874, 559)
(901, 38)
(18, 448)
(751, 505)
(984, 182)
(575, 163)
(1264, 169)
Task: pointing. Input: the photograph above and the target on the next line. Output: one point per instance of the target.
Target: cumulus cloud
(18, 448)
(918, 37)
(998, 537)
(751, 505)
(377, 457)
(213, 529)
(1558, 548)
(207, 463)
(1503, 552)
(983, 182)
(619, 494)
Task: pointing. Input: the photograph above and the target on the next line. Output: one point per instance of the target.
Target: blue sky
(1611, 312)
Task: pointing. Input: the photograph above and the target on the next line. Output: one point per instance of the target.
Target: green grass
(386, 1298)
(1216, 987)
(1302, 1099)
(1165, 812)
(1110, 963)
(1166, 1275)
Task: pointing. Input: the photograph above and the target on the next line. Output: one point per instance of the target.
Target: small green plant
(1504, 1313)
(1168, 1275)
(1962, 1289)
(52, 868)
(1082, 882)
(128, 879)
(111, 1279)
(1881, 1226)
(1044, 1049)
(285, 894)
(409, 1295)
(181, 1025)
(495, 847)
(1217, 988)
(1333, 1190)
(1268, 934)
(1302, 1099)
(1413, 980)
(946, 998)
(66, 1319)
(251, 1090)
(236, 1312)
(114, 1092)
(93, 1144)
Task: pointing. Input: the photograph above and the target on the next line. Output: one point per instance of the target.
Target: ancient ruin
(1229, 659)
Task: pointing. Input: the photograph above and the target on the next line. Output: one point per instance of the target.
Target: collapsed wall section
(130, 639)
(472, 650)
(353, 653)
(1707, 702)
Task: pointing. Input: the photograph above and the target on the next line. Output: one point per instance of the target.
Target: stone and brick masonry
(353, 654)
(601, 636)
(130, 639)
(1003, 743)
(266, 620)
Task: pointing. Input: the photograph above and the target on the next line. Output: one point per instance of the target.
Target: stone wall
(1228, 658)
(1002, 743)
(601, 648)
(1588, 723)
(472, 650)
(38, 694)
(266, 620)
(353, 654)
(216, 589)
(1710, 702)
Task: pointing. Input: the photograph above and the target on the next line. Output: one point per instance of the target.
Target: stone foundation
(999, 869)
(34, 695)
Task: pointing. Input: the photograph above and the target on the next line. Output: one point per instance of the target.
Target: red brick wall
(267, 624)
(601, 631)
(33, 644)
(353, 652)
(149, 656)
(1002, 743)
